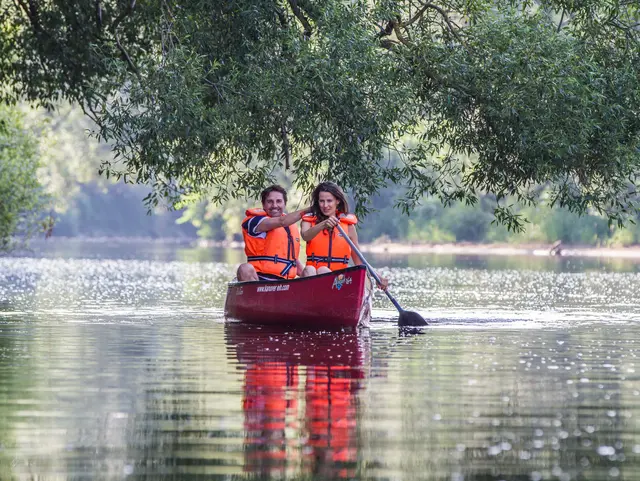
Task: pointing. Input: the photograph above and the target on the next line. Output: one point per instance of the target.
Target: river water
(116, 363)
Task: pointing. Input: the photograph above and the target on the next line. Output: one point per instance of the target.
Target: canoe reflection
(300, 399)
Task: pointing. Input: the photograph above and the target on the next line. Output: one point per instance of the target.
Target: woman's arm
(307, 232)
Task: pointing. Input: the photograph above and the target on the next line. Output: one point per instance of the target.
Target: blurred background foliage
(61, 191)
(83, 203)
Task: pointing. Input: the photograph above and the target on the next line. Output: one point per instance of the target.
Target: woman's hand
(383, 284)
(330, 222)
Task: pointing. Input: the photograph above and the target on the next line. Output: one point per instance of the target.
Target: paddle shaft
(371, 271)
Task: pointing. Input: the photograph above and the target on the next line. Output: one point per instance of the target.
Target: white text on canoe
(279, 287)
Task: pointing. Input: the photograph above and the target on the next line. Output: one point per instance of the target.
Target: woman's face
(328, 203)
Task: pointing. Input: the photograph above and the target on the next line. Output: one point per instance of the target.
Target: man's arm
(271, 223)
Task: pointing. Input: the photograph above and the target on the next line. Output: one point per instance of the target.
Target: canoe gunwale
(346, 270)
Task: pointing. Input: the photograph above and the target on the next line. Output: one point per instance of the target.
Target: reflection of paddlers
(331, 415)
(272, 419)
(300, 410)
(267, 404)
(266, 395)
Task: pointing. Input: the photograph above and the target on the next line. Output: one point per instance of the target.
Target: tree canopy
(527, 100)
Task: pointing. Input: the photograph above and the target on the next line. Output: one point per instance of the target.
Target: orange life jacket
(275, 253)
(330, 249)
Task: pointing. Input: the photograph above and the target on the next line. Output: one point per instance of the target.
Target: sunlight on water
(125, 369)
(106, 289)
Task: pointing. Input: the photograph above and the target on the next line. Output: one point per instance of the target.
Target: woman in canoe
(327, 250)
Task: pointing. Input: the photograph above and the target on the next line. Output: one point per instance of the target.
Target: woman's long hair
(331, 187)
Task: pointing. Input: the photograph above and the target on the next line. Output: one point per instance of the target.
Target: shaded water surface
(117, 364)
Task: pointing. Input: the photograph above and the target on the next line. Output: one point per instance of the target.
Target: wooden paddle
(407, 318)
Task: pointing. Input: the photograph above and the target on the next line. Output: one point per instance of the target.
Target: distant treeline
(118, 210)
(434, 223)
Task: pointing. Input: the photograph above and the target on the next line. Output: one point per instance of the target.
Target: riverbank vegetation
(23, 200)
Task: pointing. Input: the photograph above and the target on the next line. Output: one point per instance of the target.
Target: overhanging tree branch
(551, 103)
(398, 32)
(440, 10)
(300, 16)
(31, 11)
(387, 30)
(98, 14)
(286, 147)
(114, 28)
(281, 17)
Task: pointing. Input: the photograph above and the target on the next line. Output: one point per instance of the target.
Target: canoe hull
(328, 301)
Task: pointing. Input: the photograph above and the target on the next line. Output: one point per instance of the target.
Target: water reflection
(118, 368)
(129, 249)
(503, 405)
(300, 400)
(189, 251)
(504, 262)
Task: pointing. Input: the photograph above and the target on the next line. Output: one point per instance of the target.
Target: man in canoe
(271, 239)
(326, 248)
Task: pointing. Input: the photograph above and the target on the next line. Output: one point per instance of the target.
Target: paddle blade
(409, 318)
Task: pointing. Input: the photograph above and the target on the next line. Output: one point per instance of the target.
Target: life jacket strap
(315, 258)
(275, 259)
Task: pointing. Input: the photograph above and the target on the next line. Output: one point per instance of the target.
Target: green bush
(22, 200)
(560, 224)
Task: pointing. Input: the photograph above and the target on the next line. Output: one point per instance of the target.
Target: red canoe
(328, 301)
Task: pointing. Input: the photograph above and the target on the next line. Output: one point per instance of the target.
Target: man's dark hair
(273, 188)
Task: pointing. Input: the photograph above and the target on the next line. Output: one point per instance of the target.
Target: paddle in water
(407, 318)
